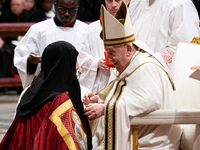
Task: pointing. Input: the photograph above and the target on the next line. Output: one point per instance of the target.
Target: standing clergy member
(95, 72)
(63, 26)
(139, 84)
(162, 24)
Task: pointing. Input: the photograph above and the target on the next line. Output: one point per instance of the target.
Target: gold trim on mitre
(117, 30)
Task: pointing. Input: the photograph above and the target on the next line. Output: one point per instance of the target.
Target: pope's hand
(94, 110)
(89, 97)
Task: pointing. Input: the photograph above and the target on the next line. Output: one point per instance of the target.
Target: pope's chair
(187, 96)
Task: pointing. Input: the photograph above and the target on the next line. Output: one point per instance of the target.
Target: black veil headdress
(58, 74)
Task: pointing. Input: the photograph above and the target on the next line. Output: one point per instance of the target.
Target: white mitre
(116, 30)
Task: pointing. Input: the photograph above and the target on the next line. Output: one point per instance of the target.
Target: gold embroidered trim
(60, 127)
(169, 77)
(112, 42)
(196, 40)
(111, 116)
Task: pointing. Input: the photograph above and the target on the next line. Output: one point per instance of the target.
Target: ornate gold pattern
(111, 112)
(64, 132)
(196, 40)
(112, 42)
(60, 127)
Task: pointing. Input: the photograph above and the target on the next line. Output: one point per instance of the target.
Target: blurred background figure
(16, 13)
(29, 5)
(43, 10)
(89, 10)
(5, 4)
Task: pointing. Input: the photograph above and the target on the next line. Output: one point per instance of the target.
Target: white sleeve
(88, 62)
(28, 44)
(184, 24)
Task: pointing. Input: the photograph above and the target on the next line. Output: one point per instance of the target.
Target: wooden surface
(10, 82)
(14, 29)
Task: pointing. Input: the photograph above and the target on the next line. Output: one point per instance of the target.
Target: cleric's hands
(33, 58)
(89, 97)
(94, 111)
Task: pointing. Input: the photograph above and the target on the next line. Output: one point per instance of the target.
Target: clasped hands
(93, 109)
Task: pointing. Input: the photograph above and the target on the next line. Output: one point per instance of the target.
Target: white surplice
(38, 37)
(92, 49)
(164, 23)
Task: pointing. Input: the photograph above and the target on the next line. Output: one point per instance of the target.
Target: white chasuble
(141, 88)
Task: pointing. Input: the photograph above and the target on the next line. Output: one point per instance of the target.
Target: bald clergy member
(139, 84)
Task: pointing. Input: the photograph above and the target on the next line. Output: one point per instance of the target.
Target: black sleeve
(31, 68)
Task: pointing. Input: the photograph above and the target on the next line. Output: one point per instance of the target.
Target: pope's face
(118, 56)
(66, 10)
(113, 6)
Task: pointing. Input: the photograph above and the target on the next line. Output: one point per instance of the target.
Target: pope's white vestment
(147, 89)
(38, 37)
(92, 49)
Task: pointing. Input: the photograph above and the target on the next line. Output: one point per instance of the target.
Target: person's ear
(129, 50)
(127, 2)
